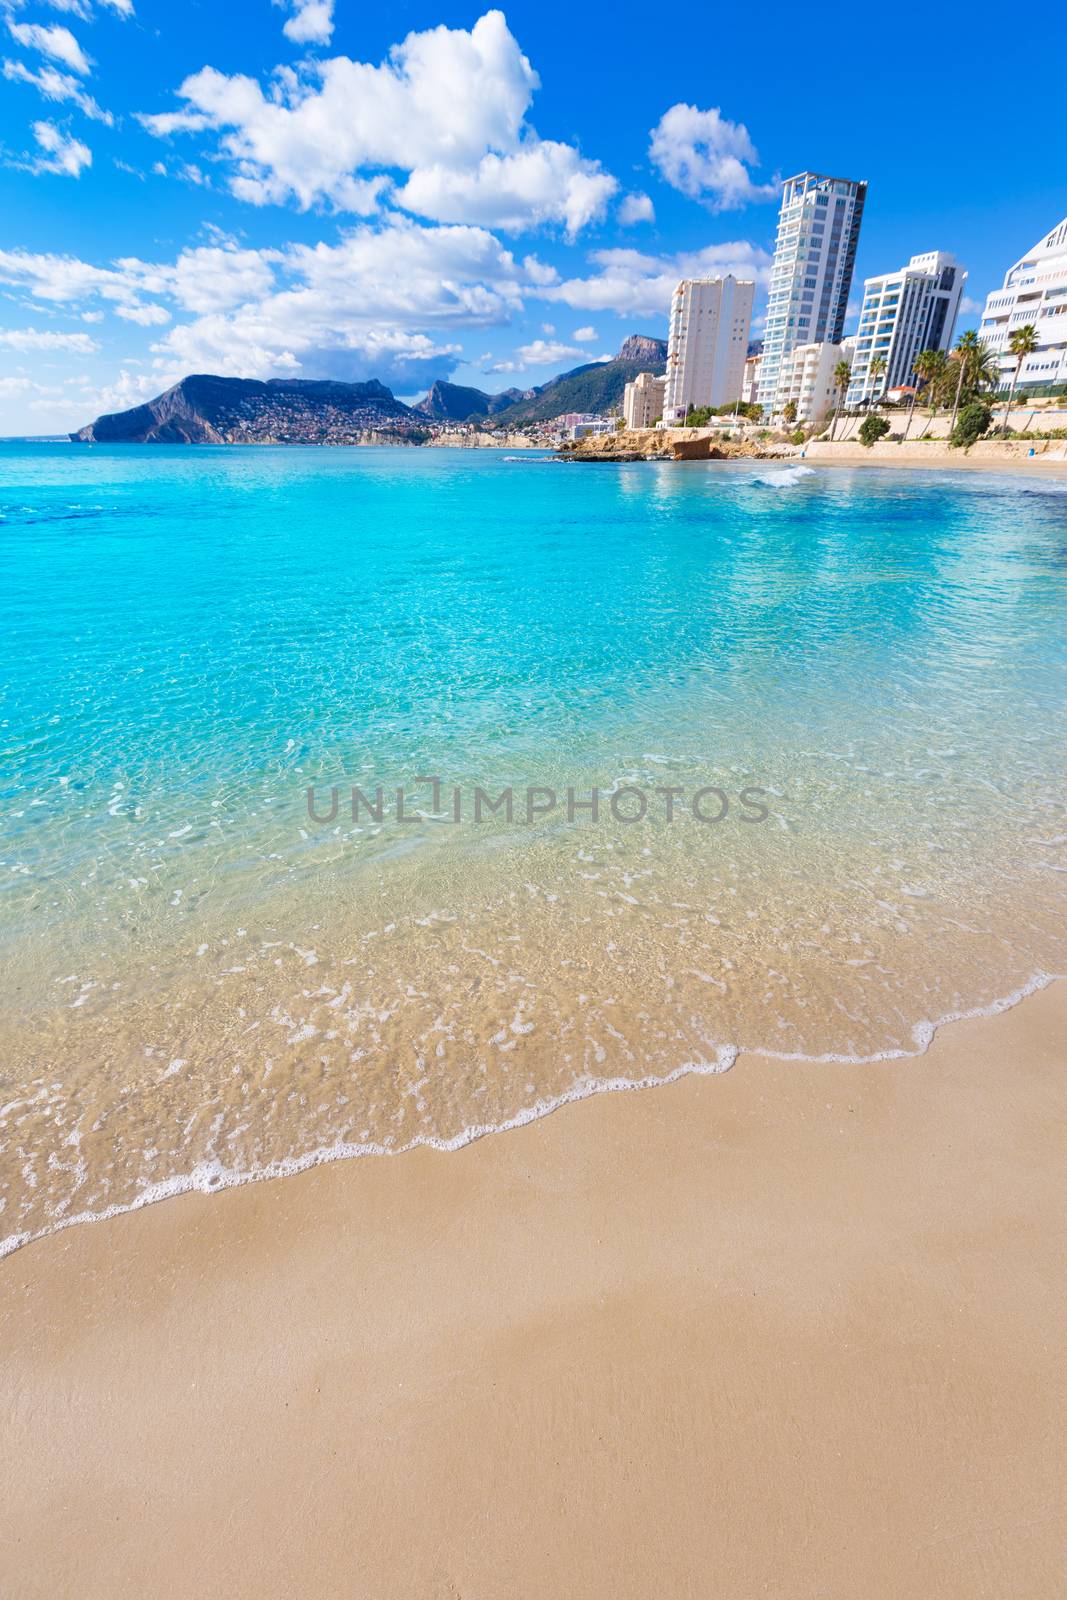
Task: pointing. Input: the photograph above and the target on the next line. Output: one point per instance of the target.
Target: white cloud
(547, 353)
(146, 316)
(79, 8)
(635, 208)
(630, 282)
(62, 154)
(539, 353)
(74, 8)
(311, 21)
(43, 339)
(447, 109)
(384, 302)
(969, 307)
(707, 157)
(59, 43)
(586, 335)
(542, 183)
(54, 85)
(210, 278)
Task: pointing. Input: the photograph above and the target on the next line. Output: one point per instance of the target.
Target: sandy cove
(796, 1330)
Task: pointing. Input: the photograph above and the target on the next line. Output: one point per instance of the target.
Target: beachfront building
(1034, 291)
(707, 343)
(591, 427)
(904, 313)
(750, 378)
(814, 257)
(642, 400)
(807, 379)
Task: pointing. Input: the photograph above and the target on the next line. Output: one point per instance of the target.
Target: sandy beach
(1049, 460)
(795, 1330)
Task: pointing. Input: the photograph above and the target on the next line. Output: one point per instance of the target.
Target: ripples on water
(202, 981)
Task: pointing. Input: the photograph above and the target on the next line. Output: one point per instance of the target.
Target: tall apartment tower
(707, 344)
(814, 256)
(903, 314)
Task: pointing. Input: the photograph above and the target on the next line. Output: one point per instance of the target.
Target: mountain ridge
(205, 408)
(595, 386)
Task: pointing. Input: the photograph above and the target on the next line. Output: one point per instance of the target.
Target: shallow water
(202, 982)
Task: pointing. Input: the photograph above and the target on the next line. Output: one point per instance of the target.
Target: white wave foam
(784, 477)
(210, 1176)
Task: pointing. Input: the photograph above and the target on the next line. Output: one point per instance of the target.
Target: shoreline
(790, 1329)
(214, 1179)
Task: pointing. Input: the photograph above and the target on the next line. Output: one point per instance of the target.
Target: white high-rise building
(750, 380)
(1034, 291)
(642, 400)
(807, 379)
(814, 256)
(903, 314)
(707, 344)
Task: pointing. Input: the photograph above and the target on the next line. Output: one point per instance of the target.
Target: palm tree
(966, 348)
(931, 366)
(842, 375)
(914, 395)
(877, 367)
(1022, 343)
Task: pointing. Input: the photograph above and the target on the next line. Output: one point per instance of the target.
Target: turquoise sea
(862, 674)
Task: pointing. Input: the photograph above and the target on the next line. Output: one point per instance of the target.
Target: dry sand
(988, 455)
(796, 1331)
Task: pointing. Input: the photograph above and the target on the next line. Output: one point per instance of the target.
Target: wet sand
(796, 1331)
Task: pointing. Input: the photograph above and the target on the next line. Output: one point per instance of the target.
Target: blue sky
(324, 188)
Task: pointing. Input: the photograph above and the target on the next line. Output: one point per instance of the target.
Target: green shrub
(797, 436)
(971, 423)
(872, 429)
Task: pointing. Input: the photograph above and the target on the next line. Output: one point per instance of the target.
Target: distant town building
(707, 343)
(1034, 291)
(814, 257)
(807, 378)
(904, 313)
(642, 400)
(591, 427)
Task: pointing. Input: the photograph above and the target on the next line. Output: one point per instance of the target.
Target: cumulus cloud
(60, 153)
(539, 353)
(44, 339)
(209, 278)
(382, 302)
(632, 283)
(79, 8)
(51, 84)
(544, 182)
(586, 335)
(704, 155)
(311, 21)
(635, 208)
(56, 42)
(447, 110)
